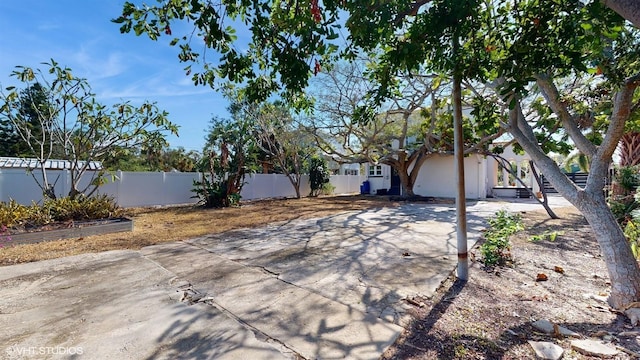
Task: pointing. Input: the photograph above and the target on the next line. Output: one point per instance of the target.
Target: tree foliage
(60, 117)
(526, 51)
(165, 159)
(284, 140)
(231, 151)
(33, 102)
(318, 174)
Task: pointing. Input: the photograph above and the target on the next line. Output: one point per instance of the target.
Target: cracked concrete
(324, 288)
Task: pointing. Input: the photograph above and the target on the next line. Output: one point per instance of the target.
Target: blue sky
(119, 67)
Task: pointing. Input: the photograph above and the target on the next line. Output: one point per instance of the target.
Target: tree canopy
(64, 119)
(528, 52)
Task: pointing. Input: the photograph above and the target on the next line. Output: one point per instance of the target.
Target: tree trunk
(405, 182)
(297, 187)
(628, 9)
(461, 208)
(623, 269)
(621, 265)
(294, 179)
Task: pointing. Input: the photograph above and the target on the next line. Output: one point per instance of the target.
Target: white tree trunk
(621, 265)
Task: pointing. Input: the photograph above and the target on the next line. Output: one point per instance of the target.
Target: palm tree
(630, 149)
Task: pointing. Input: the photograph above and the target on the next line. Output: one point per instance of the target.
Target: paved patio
(323, 288)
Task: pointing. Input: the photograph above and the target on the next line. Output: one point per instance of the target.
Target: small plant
(215, 194)
(496, 250)
(551, 235)
(328, 189)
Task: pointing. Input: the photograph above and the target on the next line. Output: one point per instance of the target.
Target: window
(375, 170)
(351, 171)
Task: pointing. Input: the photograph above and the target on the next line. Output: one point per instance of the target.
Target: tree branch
(552, 96)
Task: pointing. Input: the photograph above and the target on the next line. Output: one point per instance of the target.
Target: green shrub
(319, 176)
(328, 189)
(622, 201)
(496, 250)
(632, 233)
(214, 194)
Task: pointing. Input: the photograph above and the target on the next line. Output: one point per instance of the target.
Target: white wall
(262, 186)
(347, 184)
(437, 177)
(379, 182)
(158, 188)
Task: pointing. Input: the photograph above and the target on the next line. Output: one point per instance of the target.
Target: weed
(496, 250)
(550, 235)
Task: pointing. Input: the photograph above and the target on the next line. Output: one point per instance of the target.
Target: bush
(13, 214)
(622, 201)
(82, 208)
(632, 233)
(496, 250)
(328, 188)
(215, 194)
(319, 176)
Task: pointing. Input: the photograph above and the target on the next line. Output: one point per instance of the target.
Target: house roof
(51, 164)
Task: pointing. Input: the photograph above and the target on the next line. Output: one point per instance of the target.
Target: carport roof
(51, 164)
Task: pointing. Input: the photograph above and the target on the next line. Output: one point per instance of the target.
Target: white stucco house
(339, 168)
(484, 177)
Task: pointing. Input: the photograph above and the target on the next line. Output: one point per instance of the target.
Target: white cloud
(96, 68)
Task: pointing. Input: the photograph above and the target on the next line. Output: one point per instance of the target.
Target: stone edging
(109, 226)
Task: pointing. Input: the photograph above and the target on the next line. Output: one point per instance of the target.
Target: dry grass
(159, 225)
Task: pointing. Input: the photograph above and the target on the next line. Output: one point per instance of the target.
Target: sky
(119, 67)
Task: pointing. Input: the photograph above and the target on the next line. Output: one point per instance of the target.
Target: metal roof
(51, 164)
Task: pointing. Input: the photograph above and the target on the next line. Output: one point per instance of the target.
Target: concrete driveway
(326, 288)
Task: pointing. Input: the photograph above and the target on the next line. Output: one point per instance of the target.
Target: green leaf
(586, 26)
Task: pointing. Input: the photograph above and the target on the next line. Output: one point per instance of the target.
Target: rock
(593, 348)
(546, 326)
(546, 350)
(629, 334)
(634, 315)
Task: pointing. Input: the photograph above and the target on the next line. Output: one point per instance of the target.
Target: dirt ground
(489, 317)
(164, 224)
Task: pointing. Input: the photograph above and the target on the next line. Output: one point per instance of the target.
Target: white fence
(132, 189)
